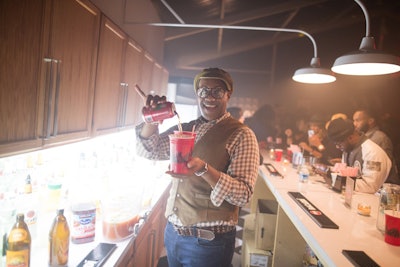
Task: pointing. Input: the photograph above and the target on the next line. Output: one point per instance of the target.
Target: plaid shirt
(236, 185)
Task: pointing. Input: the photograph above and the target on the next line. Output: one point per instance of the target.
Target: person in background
(335, 116)
(359, 151)
(202, 209)
(237, 113)
(365, 121)
(298, 132)
(319, 145)
(263, 124)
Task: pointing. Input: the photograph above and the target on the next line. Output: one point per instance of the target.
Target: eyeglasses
(216, 92)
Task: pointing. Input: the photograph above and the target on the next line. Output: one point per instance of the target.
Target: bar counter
(356, 232)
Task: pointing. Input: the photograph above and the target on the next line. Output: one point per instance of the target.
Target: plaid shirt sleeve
(156, 147)
(236, 186)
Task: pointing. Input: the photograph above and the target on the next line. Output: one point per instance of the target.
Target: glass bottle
(59, 240)
(19, 244)
(389, 200)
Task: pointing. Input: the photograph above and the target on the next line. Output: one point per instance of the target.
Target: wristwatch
(202, 171)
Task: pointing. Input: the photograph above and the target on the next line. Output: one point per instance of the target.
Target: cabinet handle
(49, 95)
(126, 91)
(56, 97)
(122, 108)
(120, 104)
(152, 237)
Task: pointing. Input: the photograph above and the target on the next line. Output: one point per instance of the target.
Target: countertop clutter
(355, 231)
(101, 177)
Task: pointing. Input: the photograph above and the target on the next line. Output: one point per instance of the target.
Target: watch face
(202, 171)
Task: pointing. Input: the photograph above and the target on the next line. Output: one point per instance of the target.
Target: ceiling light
(367, 60)
(314, 74)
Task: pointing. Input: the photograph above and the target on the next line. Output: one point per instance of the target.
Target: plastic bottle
(59, 240)
(19, 244)
(304, 173)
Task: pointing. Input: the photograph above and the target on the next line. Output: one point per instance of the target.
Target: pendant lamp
(367, 60)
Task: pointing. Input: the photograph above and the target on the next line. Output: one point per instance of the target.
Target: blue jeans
(190, 251)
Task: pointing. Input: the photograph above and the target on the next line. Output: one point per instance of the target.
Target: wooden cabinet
(21, 53)
(132, 75)
(67, 73)
(70, 61)
(47, 73)
(119, 69)
(147, 247)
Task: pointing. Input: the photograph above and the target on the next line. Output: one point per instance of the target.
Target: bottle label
(17, 235)
(19, 258)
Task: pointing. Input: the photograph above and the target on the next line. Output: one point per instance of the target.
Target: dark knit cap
(317, 119)
(340, 129)
(214, 73)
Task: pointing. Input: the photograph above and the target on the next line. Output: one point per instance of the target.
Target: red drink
(278, 154)
(181, 148)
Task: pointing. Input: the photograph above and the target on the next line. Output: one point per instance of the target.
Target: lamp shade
(314, 74)
(367, 61)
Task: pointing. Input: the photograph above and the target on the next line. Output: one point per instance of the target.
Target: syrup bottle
(18, 251)
(59, 240)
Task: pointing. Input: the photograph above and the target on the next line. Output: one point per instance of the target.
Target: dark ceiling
(336, 25)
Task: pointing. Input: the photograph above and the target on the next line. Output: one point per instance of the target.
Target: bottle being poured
(156, 110)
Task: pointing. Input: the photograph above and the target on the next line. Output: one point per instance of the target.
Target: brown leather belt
(207, 233)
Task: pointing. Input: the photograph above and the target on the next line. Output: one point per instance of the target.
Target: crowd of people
(364, 140)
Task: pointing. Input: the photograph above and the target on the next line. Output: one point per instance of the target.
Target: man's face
(212, 108)
(345, 145)
(360, 121)
(315, 127)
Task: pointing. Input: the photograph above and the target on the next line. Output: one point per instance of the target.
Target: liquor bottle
(18, 251)
(59, 240)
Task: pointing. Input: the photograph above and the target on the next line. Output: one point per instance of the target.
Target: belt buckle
(205, 234)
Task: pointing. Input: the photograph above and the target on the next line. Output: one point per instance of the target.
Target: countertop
(39, 252)
(356, 232)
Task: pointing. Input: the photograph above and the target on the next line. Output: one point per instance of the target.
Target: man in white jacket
(358, 151)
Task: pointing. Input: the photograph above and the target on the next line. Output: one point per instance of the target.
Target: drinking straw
(193, 128)
(140, 92)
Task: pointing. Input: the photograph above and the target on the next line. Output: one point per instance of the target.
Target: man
(358, 151)
(202, 208)
(365, 121)
(319, 145)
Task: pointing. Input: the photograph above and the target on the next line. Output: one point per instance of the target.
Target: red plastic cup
(278, 154)
(181, 148)
(392, 228)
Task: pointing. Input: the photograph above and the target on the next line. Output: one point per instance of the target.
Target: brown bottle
(18, 251)
(59, 240)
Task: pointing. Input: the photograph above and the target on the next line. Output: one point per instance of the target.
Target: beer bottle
(59, 240)
(19, 244)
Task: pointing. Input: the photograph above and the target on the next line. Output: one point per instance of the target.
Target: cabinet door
(164, 81)
(146, 75)
(133, 102)
(149, 243)
(72, 50)
(109, 91)
(21, 52)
